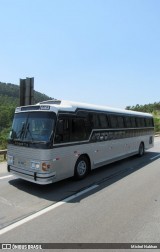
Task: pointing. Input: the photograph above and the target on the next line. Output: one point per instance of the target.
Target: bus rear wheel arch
(141, 150)
(82, 167)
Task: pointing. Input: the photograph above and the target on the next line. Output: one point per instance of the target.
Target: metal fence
(3, 153)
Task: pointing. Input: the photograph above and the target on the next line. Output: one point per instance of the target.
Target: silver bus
(54, 140)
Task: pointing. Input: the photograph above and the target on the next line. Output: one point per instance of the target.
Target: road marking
(155, 157)
(8, 176)
(45, 210)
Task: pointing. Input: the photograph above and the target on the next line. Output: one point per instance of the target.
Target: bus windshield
(33, 127)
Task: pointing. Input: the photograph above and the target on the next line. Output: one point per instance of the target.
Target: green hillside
(9, 100)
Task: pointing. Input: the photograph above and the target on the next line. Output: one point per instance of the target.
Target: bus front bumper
(33, 176)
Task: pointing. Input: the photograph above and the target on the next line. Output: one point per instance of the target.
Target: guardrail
(3, 153)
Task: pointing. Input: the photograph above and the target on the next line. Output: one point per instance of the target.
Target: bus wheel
(141, 150)
(81, 167)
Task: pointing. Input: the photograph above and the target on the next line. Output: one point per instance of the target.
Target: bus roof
(72, 106)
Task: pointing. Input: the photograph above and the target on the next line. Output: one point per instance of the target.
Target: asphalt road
(118, 203)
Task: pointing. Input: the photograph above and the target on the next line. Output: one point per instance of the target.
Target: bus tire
(141, 149)
(81, 167)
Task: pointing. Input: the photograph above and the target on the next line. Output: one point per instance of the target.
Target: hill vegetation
(9, 100)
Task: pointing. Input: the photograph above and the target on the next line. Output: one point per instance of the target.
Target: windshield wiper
(27, 130)
(20, 134)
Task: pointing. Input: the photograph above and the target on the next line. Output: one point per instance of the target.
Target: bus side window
(149, 122)
(86, 120)
(128, 122)
(133, 122)
(138, 122)
(120, 121)
(152, 122)
(62, 131)
(94, 120)
(113, 121)
(103, 121)
(142, 121)
(78, 132)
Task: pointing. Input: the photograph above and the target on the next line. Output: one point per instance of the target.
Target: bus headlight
(10, 160)
(35, 165)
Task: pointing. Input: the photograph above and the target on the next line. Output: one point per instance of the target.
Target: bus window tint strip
(85, 127)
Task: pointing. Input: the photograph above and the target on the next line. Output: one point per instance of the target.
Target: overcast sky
(105, 52)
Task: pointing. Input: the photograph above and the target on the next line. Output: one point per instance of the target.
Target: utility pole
(26, 91)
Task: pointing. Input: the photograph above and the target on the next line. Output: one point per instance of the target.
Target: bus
(54, 140)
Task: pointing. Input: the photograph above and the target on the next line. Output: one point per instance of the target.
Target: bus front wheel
(81, 167)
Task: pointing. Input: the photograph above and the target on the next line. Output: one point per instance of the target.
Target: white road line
(45, 210)
(8, 176)
(155, 157)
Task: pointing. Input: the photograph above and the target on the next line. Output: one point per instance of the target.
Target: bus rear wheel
(141, 150)
(81, 167)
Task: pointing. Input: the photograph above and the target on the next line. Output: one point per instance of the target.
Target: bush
(157, 124)
(3, 138)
